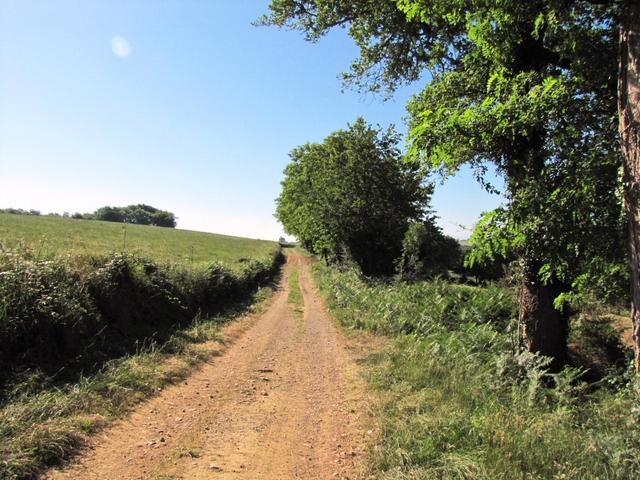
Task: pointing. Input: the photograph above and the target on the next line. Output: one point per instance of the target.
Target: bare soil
(284, 400)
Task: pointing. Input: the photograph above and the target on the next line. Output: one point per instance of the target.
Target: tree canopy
(139, 214)
(427, 252)
(352, 196)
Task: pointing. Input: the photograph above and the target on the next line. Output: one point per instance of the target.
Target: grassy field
(49, 235)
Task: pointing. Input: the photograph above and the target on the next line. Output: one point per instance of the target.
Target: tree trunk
(545, 327)
(629, 114)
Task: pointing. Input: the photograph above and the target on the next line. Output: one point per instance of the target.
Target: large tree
(524, 95)
(629, 121)
(352, 196)
(513, 84)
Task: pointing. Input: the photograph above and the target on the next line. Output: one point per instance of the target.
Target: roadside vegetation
(460, 399)
(64, 315)
(82, 338)
(44, 421)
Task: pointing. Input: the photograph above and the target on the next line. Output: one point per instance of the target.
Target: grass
(51, 235)
(188, 452)
(45, 424)
(458, 400)
(295, 294)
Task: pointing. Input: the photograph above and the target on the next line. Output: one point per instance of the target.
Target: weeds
(460, 402)
(188, 452)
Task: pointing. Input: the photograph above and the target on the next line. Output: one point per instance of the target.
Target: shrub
(427, 252)
(65, 315)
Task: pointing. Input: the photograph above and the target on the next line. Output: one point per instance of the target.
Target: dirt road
(284, 401)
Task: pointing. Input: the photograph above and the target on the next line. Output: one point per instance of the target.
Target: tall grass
(460, 401)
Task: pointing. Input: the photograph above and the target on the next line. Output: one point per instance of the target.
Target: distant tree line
(20, 211)
(139, 214)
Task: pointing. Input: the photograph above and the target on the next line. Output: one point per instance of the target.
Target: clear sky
(181, 104)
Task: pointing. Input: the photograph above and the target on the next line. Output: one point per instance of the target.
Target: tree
(163, 219)
(629, 127)
(139, 214)
(575, 35)
(109, 214)
(393, 49)
(20, 211)
(352, 197)
(427, 252)
(513, 84)
(521, 96)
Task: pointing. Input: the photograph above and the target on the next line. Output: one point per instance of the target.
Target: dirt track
(283, 401)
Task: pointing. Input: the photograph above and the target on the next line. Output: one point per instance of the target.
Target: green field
(51, 235)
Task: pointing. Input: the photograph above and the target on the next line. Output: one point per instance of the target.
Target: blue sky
(181, 104)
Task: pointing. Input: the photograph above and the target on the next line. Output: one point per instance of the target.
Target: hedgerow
(66, 315)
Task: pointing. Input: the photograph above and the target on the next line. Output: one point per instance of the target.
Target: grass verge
(460, 401)
(295, 294)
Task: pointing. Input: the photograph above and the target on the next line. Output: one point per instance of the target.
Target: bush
(427, 252)
(66, 315)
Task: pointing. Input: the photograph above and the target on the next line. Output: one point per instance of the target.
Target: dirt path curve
(282, 402)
